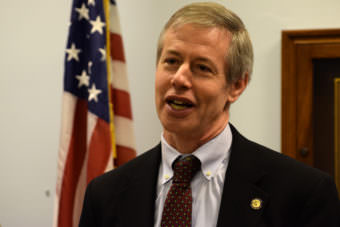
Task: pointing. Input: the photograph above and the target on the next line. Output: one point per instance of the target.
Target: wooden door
(310, 65)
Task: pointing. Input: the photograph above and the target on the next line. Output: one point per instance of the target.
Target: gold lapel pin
(256, 204)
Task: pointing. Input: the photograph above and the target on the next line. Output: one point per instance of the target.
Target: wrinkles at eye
(171, 61)
(204, 68)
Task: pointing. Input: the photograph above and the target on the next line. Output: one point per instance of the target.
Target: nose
(181, 80)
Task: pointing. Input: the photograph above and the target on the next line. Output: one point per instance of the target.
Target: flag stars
(93, 93)
(91, 2)
(73, 53)
(83, 12)
(84, 79)
(103, 53)
(97, 25)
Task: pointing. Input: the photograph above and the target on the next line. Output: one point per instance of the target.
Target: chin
(177, 128)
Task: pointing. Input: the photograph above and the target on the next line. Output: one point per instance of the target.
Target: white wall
(32, 42)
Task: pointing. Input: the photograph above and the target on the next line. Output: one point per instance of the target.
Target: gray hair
(239, 57)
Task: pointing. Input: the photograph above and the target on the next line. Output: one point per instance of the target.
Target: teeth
(178, 102)
(177, 107)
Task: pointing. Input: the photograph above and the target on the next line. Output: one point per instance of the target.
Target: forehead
(191, 39)
(197, 36)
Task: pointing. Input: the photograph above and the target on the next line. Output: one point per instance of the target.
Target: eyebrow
(173, 52)
(179, 55)
(203, 59)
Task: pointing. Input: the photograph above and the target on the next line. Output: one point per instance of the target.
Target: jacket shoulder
(143, 165)
(298, 193)
(273, 162)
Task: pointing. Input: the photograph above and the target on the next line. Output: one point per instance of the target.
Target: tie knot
(185, 169)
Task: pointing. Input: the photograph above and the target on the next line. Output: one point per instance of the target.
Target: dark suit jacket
(293, 194)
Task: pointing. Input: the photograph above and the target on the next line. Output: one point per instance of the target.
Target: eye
(171, 61)
(204, 68)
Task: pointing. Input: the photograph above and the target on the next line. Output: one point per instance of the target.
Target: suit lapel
(138, 201)
(243, 201)
(241, 187)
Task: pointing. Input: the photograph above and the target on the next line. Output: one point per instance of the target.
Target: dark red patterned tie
(178, 204)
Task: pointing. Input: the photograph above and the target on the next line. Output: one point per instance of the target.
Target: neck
(187, 143)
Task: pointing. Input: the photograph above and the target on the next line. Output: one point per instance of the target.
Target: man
(204, 63)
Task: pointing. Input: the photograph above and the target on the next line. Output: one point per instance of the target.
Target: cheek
(213, 99)
(162, 82)
(160, 88)
(157, 81)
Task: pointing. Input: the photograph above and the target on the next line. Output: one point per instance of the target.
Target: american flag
(97, 131)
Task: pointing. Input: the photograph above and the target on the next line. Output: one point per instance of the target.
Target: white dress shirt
(206, 186)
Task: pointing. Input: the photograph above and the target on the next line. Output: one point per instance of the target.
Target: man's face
(191, 88)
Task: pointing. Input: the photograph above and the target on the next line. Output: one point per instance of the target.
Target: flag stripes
(120, 99)
(96, 116)
(117, 52)
(119, 81)
(75, 158)
(120, 96)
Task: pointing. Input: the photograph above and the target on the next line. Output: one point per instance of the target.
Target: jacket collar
(241, 187)
(138, 201)
(242, 194)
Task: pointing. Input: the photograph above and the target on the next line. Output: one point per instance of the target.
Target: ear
(236, 89)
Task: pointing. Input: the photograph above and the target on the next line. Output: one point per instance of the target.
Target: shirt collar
(211, 155)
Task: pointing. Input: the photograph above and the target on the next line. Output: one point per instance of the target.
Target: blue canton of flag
(85, 62)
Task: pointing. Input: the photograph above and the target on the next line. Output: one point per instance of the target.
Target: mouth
(179, 103)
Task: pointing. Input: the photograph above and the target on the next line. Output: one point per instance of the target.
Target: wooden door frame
(299, 48)
(291, 41)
